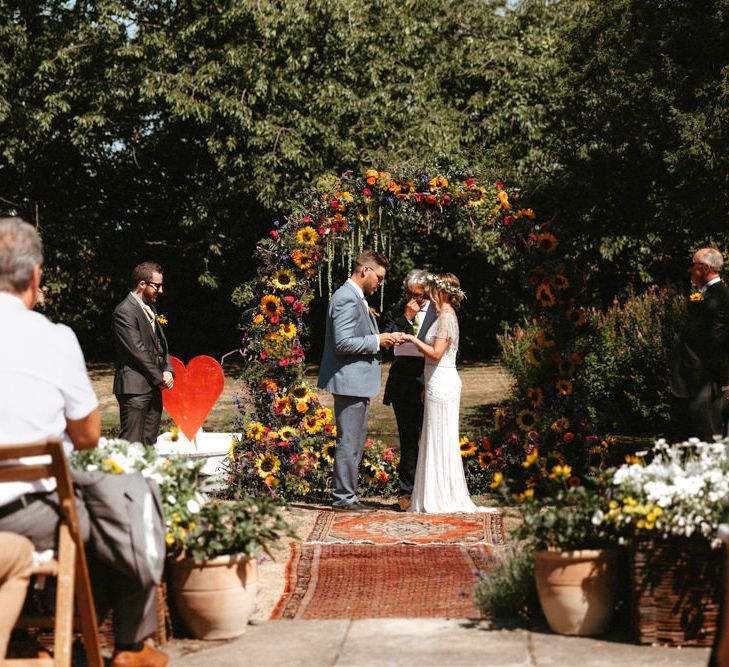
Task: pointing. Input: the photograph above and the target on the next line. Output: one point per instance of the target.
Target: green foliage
(508, 590)
(625, 376)
(220, 528)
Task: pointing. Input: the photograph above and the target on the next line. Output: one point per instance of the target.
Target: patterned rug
(326, 581)
(405, 528)
(382, 564)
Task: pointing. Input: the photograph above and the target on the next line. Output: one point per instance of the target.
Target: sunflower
(526, 420)
(564, 387)
(499, 418)
(271, 305)
(534, 354)
(284, 279)
(560, 472)
(526, 212)
(545, 295)
(267, 464)
(536, 396)
(313, 425)
(560, 282)
(327, 451)
(437, 183)
(596, 457)
(547, 242)
(287, 433)
(301, 259)
(545, 337)
(287, 330)
(282, 405)
(468, 447)
(307, 236)
(576, 316)
(299, 392)
(496, 480)
(324, 413)
(485, 459)
(255, 431)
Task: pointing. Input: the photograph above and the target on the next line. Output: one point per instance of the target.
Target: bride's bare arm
(434, 351)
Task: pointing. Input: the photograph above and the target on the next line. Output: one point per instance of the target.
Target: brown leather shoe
(403, 502)
(149, 656)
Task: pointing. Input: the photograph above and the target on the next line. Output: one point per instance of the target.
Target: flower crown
(443, 286)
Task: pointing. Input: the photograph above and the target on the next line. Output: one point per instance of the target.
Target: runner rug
(426, 569)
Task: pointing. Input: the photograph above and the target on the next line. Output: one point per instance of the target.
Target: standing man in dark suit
(404, 386)
(700, 360)
(143, 365)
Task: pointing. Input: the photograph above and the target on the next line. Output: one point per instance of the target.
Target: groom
(350, 370)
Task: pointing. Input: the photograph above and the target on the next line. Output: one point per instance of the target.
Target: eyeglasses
(418, 297)
(698, 264)
(157, 286)
(379, 277)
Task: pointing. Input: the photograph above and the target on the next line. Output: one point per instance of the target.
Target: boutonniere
(162, 319)
(696, 296)
(374, 312)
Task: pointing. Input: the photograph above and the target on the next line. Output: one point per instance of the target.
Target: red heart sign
(194, 393)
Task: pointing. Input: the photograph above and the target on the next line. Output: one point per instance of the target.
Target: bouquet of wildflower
(683, 491)
(379, 466)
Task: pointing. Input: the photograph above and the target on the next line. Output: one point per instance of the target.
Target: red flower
(306, 218)
(366, 192)
(470, 182)
(289, 299)
(499, 185)
(284, 362)
(322, 231)
(264, 355)
(273, 233)
(335, 203)
(274, 319)
(508, 220)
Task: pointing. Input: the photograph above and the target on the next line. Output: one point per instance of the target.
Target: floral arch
(288, 437)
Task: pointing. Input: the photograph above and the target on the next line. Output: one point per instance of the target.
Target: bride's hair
(445, 288)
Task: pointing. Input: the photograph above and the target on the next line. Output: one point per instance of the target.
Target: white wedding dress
(440, 485)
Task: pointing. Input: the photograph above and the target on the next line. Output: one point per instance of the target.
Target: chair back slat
(25, 473)
(16, 451)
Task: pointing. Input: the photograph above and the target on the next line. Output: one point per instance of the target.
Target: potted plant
(212, 545)
(668, 504)
(576, 563)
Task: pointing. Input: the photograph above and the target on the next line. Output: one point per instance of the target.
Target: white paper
(407, 349)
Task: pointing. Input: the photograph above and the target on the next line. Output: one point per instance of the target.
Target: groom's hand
(389, 339)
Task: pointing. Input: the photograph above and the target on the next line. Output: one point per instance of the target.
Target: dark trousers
(140, 416)
(135, 608)
(701, 416)
(409, 417)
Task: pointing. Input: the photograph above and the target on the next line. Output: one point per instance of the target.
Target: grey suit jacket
(138, 366)
(350, 364)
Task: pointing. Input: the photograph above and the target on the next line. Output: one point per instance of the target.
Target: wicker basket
(676, 586)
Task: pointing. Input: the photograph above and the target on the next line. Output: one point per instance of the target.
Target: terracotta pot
(578, 590)
(217, 597)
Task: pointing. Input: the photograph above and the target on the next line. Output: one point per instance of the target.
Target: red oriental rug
(378, 565)
(406, 528)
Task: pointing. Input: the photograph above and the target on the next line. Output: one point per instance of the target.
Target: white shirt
(43, 382)
(709, 284)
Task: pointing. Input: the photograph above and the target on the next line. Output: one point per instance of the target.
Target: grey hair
(415, 278)
(21, 251)
(712, 257)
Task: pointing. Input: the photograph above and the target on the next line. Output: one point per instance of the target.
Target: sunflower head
(287, 433)
(546, 242)
(284, 279)
(307, 236)
(564, 387)
(271, 305)
(468, 447)
(327, 451)
(526, 420)
(267, 464)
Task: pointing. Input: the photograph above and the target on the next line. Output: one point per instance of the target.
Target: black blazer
(139, 367)
(701, 353)
(405, 372)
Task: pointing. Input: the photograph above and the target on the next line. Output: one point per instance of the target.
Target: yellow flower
(534, 354)
(283, 279)
(545, 337)
(271, 482)
(271, 305)
(255, 431)
(301, 259)
(503, 200)
(231, 450)
(287, 330)
(560, 282)
(499, 418)
(287, 433)
(526, 212)
(560, 425)
(307, 236)
(496, 480)
(536, 396)
(438, 182)
(531, 458)
(313, 425)
(526, 420)
(485, 459)
(267, 464)
(561, 472)
(162, 319)
(269, 385)
(468, 447)
(258, 319)
(633, 460)
(576, 316)
(545, 296)
(547, 242)
(169, 539)
(564, 387)
(114, 466)
(696, 296)
(327, 451)
(300, 392)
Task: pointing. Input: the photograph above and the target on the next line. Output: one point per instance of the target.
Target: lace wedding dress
(440, 485)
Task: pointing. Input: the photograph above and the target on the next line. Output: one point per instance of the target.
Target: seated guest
(46, 393)
(16, 562)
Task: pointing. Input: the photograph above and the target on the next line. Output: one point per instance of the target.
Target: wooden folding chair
(69, 567)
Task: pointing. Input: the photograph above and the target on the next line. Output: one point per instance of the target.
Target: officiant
(413, 315)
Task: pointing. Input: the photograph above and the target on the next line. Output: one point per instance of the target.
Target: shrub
(508, 592)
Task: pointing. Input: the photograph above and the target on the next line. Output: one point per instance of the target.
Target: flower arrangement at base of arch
(286, 442)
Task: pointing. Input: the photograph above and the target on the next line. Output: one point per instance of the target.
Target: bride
(440, 485)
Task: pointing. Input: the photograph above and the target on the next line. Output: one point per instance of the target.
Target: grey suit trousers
(135, 608)
(351, 414)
